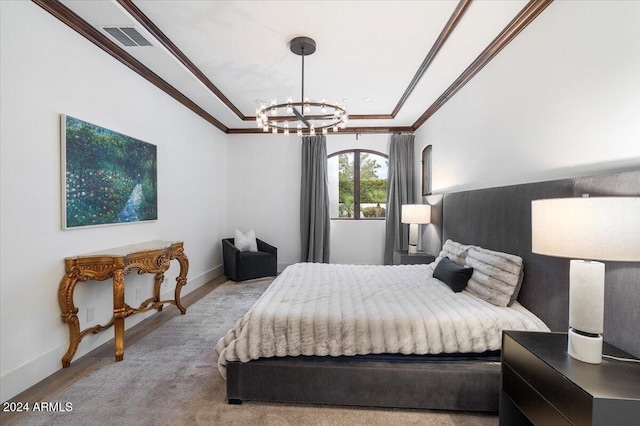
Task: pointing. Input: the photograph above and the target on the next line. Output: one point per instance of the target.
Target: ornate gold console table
(151, 257)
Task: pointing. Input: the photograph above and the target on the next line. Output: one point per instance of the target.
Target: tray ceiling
(393, 63)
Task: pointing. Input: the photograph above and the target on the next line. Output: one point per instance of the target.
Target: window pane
(426, 170)
(373, 185)
(340, 170)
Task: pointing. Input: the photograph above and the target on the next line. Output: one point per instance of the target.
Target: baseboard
(31, 372)
(39, 368)
(200, 280)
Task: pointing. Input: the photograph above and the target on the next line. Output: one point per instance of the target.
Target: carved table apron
(151, 257)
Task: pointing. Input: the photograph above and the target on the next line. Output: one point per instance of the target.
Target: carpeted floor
(170, 378)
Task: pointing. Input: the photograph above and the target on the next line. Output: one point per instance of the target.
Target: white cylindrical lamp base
(586, 296)
(585, 348)
(413, 238)
(586, 310)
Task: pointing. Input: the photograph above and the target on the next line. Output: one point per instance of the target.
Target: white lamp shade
(416, 213)
(593, 228)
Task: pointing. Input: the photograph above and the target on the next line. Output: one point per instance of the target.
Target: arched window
(426, 170)
(358, 184)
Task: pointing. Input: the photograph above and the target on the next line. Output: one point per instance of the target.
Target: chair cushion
(245, 242)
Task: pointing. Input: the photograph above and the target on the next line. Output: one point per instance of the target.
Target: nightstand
(402, 257)
(542, 385)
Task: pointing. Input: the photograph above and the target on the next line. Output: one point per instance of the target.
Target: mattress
(315, 309)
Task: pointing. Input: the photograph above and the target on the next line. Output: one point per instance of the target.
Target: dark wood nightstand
(543, 385)
(402, 257)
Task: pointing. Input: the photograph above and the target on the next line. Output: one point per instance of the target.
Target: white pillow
(245, 242)
(454, 251)
(497, 276)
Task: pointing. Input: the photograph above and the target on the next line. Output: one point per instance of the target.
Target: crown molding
(348, 130)
(455, 18)
(519, 23)
(179, 55)
(89, 32)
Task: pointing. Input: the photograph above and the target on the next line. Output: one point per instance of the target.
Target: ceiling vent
(127, 36)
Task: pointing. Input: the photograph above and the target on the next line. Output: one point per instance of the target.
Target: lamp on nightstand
(415, 215)
(597, 228)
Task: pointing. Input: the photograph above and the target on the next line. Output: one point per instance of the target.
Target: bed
(391, 376)
(316, 309)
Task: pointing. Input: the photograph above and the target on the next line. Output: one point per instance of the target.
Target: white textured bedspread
(326, 309)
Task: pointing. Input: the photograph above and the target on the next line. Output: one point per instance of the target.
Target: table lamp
(415, 215)
(588, 228)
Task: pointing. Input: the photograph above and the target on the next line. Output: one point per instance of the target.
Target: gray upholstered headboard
(500, 219)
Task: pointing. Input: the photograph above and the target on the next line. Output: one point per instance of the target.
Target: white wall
(45, 73)
(263, 187)
(357, 241)
(264, 194)
(561, 100)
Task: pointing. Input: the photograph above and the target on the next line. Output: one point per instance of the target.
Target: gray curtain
(400, 190)
(314, 200)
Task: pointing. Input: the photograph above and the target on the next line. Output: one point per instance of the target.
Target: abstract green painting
(108, 178)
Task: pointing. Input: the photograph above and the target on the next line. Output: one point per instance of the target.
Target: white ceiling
(366, 50)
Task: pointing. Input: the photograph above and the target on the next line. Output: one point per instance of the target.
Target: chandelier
(307, 116)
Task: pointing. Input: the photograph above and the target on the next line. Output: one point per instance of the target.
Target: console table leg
(69, 315)
(119, 311)
(156, 288)
(181, 280)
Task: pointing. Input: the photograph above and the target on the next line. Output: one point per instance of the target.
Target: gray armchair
(247, 265)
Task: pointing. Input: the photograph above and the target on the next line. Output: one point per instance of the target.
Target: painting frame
(107, 178)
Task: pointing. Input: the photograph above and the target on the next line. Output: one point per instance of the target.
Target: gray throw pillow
(452, 274)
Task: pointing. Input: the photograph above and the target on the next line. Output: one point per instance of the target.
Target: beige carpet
(170, 378)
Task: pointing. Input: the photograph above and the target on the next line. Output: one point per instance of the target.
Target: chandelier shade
(307, 116)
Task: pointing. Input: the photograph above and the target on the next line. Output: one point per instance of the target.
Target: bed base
(453, 385)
